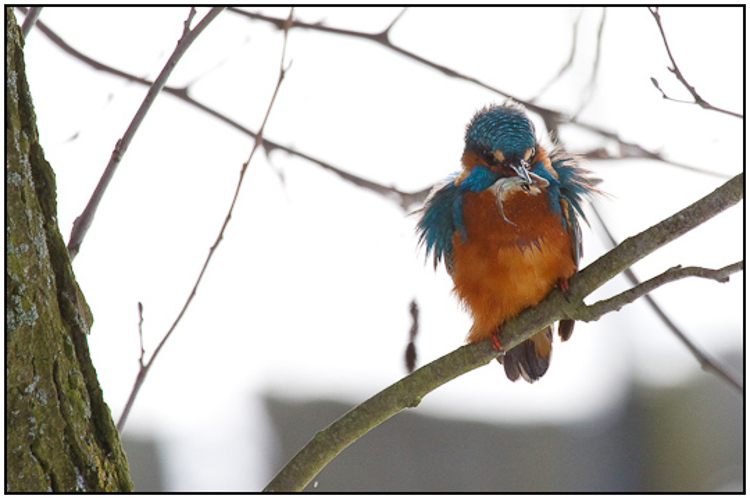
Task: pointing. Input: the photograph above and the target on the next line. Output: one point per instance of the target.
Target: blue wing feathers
(440, 220)
(574, 185)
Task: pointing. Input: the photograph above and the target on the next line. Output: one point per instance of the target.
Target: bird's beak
(521, 171)
(527, 177)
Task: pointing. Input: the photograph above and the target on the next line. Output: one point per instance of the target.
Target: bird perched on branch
(506, 226)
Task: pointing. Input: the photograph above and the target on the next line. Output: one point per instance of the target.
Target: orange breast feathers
(510, 259)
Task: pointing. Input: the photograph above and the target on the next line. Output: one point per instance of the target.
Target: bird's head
(500, 140)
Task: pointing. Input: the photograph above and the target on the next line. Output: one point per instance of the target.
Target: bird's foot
(562, 284)
(495, 340)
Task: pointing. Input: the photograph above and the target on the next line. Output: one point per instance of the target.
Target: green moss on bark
(59, 434)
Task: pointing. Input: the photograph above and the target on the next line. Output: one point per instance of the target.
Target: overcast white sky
(308, 295)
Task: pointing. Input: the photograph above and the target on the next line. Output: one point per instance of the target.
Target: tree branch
(406, 393)
(706, 361)
(590, 86)
(409, 391)
(595, 311)
(566, 65)
(697, 99)
(82, 224)
(259, 140)
(30, 20)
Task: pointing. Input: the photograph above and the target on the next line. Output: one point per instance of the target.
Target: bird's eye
(487, 157)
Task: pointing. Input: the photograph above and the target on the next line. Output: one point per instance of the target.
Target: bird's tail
(530, 359)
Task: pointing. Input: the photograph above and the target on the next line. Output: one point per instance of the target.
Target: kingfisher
(506, 227)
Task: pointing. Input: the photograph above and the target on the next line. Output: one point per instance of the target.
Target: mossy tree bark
(59, 434)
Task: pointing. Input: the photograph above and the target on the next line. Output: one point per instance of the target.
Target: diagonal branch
(595, 311)
(30, 20)
(409, 391)
(141, 377)
(568, 63)
(406, 393)
(83, 222)
(590, 86)
(706, 361)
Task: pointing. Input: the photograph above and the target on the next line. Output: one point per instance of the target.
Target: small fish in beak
(526, 180)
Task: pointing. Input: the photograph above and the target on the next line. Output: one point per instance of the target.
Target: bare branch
(409, 391)
(707, 362)
(144, 370)
(697, 99)
(30, 20)
(590, 86)
(595, 311)
(406, 393)
(83, 222)
(568, 63)
(387, 30)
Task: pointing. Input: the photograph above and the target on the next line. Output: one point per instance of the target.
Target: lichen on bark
(59, 432)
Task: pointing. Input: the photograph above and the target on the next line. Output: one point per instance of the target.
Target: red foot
(563, 284)
(495, 340)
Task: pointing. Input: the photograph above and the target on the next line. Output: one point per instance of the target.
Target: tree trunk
(59, 434)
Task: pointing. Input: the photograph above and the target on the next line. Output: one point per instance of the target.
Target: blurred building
(686, 439)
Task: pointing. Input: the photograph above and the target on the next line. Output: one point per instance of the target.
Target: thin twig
(140, 334)
(707, 361)
(591, 85)
(409, 391)
(387, 30)
(410, 355)
(568, 63)
(595, 311)
(697, 99)
(82, 224)
(144, 370)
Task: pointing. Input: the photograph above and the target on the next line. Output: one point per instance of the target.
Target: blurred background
(304, 310)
